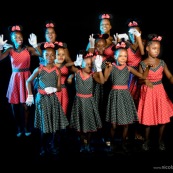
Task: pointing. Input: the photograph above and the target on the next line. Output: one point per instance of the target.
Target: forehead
(50, 30)
(61, 50)
(16, 33)
(104, 21)
(49, 50)
(100, 41)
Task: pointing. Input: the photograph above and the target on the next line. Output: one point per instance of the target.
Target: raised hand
(135, 32)
(79, 59)
(2, 42)
(115, 38)
(92, 41)
(123, 36)
(33, 40)
(98, 63)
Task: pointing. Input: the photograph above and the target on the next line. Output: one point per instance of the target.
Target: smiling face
(17, 38)
(105, 26)
(60, 56)
(121, 56)
(50, 35)
(100, 46)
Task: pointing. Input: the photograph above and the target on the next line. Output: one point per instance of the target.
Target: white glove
(115, 38)
(79, 60)
(50, 90)
(123, 36)
(33, 40)
(135, 32)
(98, 63)
(2, 42)
(6, 46)
(30, 100)
(92, 41)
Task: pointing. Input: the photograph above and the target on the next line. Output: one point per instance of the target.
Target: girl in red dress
(155, 108)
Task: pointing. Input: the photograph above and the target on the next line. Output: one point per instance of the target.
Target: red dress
(63, 95)
(20, 62)
(154, 107)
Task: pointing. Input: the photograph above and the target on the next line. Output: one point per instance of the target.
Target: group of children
(114, 86)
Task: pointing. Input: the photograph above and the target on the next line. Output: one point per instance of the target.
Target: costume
(20, 61)
(134, 58)
(49, 115)
(120, 109)
(84, 116)
(154, 107)
(63, 94)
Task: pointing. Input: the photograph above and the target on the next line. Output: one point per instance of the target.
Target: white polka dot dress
(120, 109)
(49, 115)
(155, 107)
(84, 116)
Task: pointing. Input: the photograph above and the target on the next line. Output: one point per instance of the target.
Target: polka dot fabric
(155, 107)
(120, 109)
(49, 115)
(16, 92)
(85, 116)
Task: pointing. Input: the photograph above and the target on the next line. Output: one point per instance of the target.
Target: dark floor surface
(22, 154)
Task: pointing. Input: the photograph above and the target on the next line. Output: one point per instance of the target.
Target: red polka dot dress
(49, 115)
(84, 116)
(63, 94)
(155, 107)
(20, 61)
(134, 58)
(120, 109)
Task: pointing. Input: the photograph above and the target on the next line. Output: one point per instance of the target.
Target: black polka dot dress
(49, 115)
(84, 116)
(120, 109)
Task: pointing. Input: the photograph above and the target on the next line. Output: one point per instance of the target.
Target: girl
(85, 117)
(105, 28)
(121, 109)
(66, 77)
(20, 55)
(49, 115)
(158, 110)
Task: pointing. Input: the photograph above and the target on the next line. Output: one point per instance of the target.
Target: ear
(147, 48)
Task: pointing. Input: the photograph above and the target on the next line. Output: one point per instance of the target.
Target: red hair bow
(15, 28)
(159, 38)
(120, 45)
(48, 25)
(105, 16)
(49, 45)
(133, 23)
(60, 43)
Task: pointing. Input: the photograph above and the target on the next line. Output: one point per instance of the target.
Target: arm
(70, 78)
(4, 54)
(107, 70)
(59, 80)
(168, 73)
(99, 77)
(144, 81)
(30, 80)
(30, 97)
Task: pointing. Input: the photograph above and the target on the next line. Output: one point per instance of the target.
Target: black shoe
(162, 146)
(145, 146)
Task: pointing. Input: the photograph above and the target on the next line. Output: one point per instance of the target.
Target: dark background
(74, 23)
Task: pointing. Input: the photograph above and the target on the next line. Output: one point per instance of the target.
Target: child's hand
(98, 63)
(33, 40)
(2, 42)
(135, 32)
(92, 41)
(79, 60)
(108, 64)
(30, 100)
(148, 83)
(115, 38)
